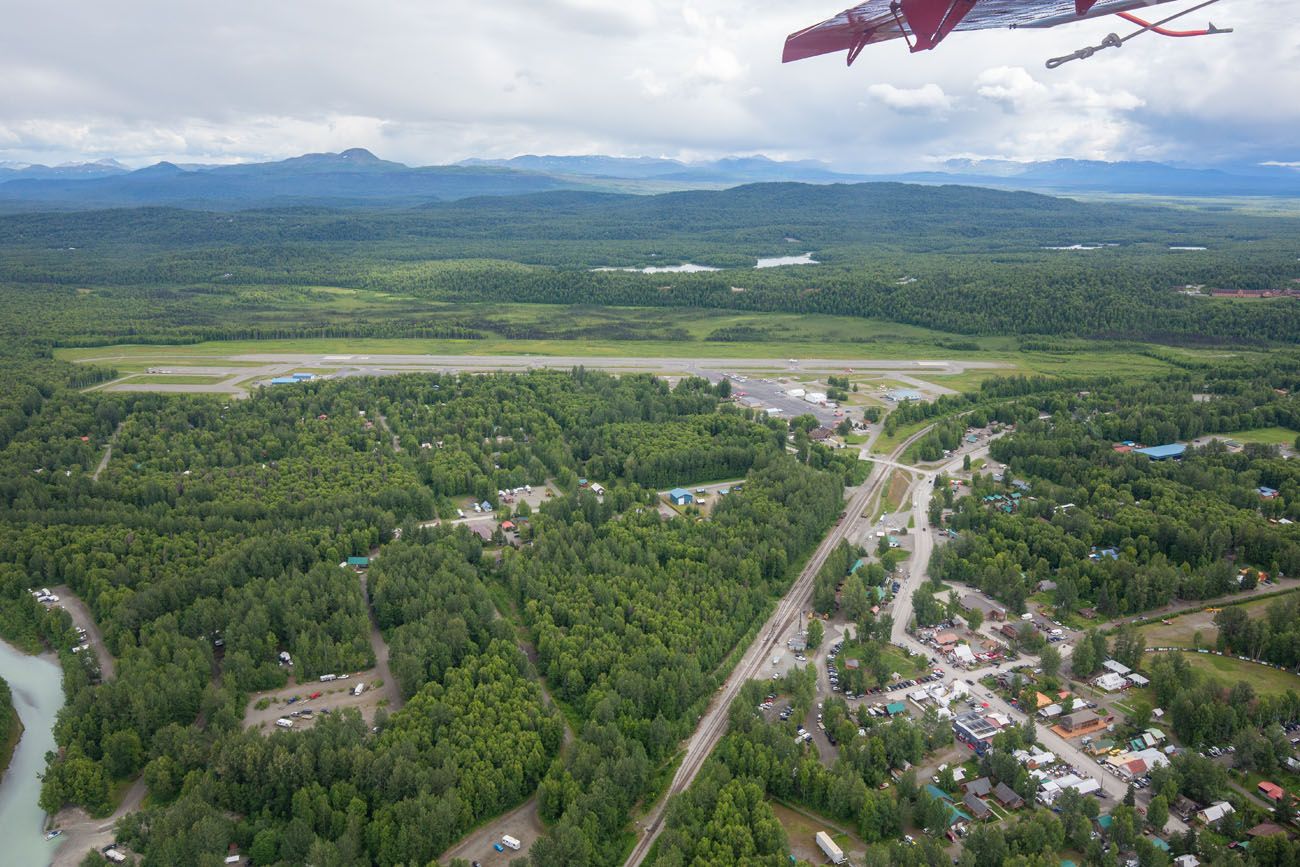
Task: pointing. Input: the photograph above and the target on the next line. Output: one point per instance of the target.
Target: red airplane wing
(927, 22)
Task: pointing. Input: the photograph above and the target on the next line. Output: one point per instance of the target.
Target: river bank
(36, 686)
(11, 727)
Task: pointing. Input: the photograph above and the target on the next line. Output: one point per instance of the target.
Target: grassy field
(1229, 670)
(886, 443)
(1271, 436)
(801, 828)
(1178, 632)
(908, 666)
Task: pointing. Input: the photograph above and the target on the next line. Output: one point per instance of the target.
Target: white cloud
(1010, 86)
(433, 82)
(927, 97)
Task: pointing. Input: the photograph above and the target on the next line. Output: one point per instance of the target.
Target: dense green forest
(212, 541)
(1117, 531)
(960, 259)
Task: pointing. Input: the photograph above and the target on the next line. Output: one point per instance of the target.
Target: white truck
(827, 845)
(510, 842)
(284, 722)
(326, 678)
(358, 689)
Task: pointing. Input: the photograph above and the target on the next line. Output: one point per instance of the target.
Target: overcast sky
(434, 81)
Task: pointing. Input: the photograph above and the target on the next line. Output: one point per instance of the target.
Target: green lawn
(1270, 436)
(1229, 669)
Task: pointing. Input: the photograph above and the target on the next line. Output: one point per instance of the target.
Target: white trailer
(326, 678)
(510, 842)
(358, 689)
(827, 845)
(284, 722)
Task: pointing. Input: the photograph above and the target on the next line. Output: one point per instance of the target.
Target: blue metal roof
(679, 493)
(1160, 453)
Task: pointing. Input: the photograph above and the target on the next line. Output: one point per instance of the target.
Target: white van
(460, 513)
(284, 722)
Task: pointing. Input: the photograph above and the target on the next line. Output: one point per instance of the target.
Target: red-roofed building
(1272, 791)
(507, 526)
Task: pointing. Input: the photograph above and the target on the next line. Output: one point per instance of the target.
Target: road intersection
(788, 617)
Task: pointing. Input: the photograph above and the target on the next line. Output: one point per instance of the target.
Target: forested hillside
(961, 259)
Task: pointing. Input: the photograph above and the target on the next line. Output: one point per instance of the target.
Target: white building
(1118, 668)
(1110, 682)
(1215, 812)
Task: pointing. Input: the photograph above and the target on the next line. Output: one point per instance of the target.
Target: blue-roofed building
(680, 497)
(302, 377)
(359, 561)
(895, 707)
(1163, 453)
(1267, 492)
(858, 564)
(901, 394)
(283, 380)
(937, 793)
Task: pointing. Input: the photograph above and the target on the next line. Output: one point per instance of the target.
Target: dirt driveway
(82, 833)
(381, 689)
(522, 823)
(81, 617)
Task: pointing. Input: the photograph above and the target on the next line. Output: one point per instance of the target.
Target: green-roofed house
(361, 562)
(861, 561)
(895, 707)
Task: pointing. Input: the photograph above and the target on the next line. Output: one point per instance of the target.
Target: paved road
(1067, 750)
(81, 616)
(788, 615)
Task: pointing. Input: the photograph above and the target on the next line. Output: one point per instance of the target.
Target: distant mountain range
(1092, 176)
(358, 178)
